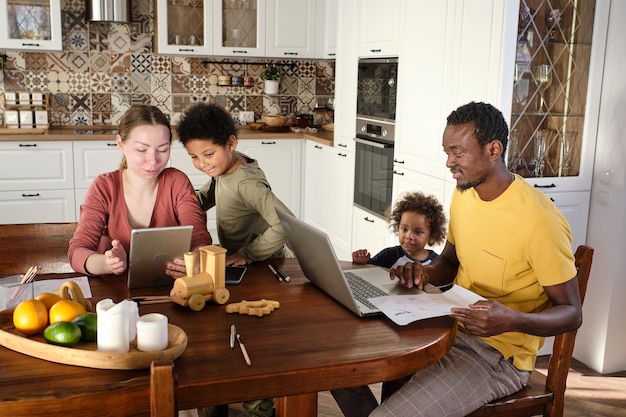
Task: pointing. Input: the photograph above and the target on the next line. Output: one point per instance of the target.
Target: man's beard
(470, 184)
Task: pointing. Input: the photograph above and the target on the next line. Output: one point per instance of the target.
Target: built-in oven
(373, 177)
(377, 89)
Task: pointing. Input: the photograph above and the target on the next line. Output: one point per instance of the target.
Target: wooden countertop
(108, 133)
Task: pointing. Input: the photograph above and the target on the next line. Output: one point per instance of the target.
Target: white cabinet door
(239, 28)
(341, 200)
(290, 28)
(184, 28)
(92, 158)
(326, 29)
(281, 160)
(370, 232)
(318, 178)
(380, 26)
(37, 206)
(31, 25)
(36, 165)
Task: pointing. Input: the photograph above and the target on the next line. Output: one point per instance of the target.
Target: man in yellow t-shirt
(507, 242)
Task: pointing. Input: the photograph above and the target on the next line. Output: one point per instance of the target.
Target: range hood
(108, 11)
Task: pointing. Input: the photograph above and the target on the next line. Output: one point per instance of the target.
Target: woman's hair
(426, 205)
(206, 121)
(140, 115)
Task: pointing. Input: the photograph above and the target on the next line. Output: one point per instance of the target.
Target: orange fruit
(48, 299)
(65, 310)
(30, 317)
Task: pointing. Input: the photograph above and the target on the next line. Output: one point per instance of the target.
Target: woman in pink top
(142, 193)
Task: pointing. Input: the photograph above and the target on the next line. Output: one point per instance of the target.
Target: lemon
(88, 324)
(62, 333)
(30, 317)
(65, 310)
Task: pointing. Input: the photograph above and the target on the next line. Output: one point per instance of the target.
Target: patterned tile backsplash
(104, 68)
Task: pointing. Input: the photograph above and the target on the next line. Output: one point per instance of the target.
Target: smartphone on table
(234, 274)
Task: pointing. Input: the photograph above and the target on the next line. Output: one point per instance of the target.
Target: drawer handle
(268, 143)
(27, 145)
(375, 50)
(111, 144)
(398, 162)
(343, 155)
(290, 53)
(545, 186)
(342, 145)
(317, 146)
(367, 219)
(30, 195)
(398, 173)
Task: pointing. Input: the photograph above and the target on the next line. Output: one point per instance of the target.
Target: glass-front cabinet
(184, 27)
(31, 25)
(549, 121)
(239, 27)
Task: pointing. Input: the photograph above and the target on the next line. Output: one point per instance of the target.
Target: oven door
(373, 177)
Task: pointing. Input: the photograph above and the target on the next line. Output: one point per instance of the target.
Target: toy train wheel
(221, 295)
(196, 302)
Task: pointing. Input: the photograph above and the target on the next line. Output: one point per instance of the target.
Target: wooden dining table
(309, 344)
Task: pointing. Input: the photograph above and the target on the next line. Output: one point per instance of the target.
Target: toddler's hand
(361, 256)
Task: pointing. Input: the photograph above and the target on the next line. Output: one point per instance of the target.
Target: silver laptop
(151, 249)
(320, 265)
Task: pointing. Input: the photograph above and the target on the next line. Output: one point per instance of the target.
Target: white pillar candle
(152, 332)
(113, 326)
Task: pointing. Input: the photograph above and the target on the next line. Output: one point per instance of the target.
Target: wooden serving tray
(85, 354)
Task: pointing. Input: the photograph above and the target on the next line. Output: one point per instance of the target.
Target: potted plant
(271, 74)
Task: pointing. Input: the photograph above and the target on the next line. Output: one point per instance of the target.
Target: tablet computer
(151, 249)
(234, 274)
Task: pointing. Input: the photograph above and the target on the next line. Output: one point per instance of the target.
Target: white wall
(602, 337)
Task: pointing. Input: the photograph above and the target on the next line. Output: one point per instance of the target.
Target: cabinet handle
(239, 52)
(333, 54)
(317, 146)
(111, 144)
(30, 44)
(268, 143)
(30, 195)
(27, 145)
(290, 53)
(367, 219)
(398, 162)
(375, 50)
(186, 50)
(342, 145)
(398, 173)
(343, 155)
(544, 186)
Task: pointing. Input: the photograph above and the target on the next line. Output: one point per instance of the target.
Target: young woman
(142, 193)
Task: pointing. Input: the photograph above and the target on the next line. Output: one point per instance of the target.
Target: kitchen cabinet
(281, 160)
(342, 198)
(290, 28)
(318, 180)
(380, 27)
(370, 232)
(31, 25)
(326, 29)
(239, 27)
(184, 27)
(37, 182)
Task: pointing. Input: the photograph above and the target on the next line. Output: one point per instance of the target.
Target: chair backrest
(563, 348)
(45, 244)
(163, 386)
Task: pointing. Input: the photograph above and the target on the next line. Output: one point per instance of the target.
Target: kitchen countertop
(108, 133)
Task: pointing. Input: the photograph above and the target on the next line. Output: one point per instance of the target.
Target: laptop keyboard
(362, 290)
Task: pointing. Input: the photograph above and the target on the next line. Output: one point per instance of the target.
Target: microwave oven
(377, 89)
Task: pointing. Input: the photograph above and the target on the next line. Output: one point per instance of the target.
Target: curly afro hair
(206, 122)
(426, 205)
(489, 123)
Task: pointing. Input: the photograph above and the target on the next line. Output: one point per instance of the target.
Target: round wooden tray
(85, 354)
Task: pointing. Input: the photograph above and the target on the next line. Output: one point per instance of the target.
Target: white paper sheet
(405, 309)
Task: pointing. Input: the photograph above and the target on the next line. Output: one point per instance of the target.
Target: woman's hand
(177, 268)
(115, 258)
(361, 256)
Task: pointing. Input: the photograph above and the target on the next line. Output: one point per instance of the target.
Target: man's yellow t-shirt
(509, 249)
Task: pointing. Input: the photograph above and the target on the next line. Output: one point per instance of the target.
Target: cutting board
(85, 354)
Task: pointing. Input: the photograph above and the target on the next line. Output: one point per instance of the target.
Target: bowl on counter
(275, 120)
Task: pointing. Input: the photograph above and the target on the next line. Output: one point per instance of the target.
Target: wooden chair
(25, 245)
(545, 396)
(163, 389)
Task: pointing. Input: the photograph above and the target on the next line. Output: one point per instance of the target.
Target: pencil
(280, 273)
(276, 274)
(244, 351)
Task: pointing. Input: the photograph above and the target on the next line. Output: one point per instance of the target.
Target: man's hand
(485, 318)
(411, 274)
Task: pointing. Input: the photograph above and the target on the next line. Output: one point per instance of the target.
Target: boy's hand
(361, 256)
